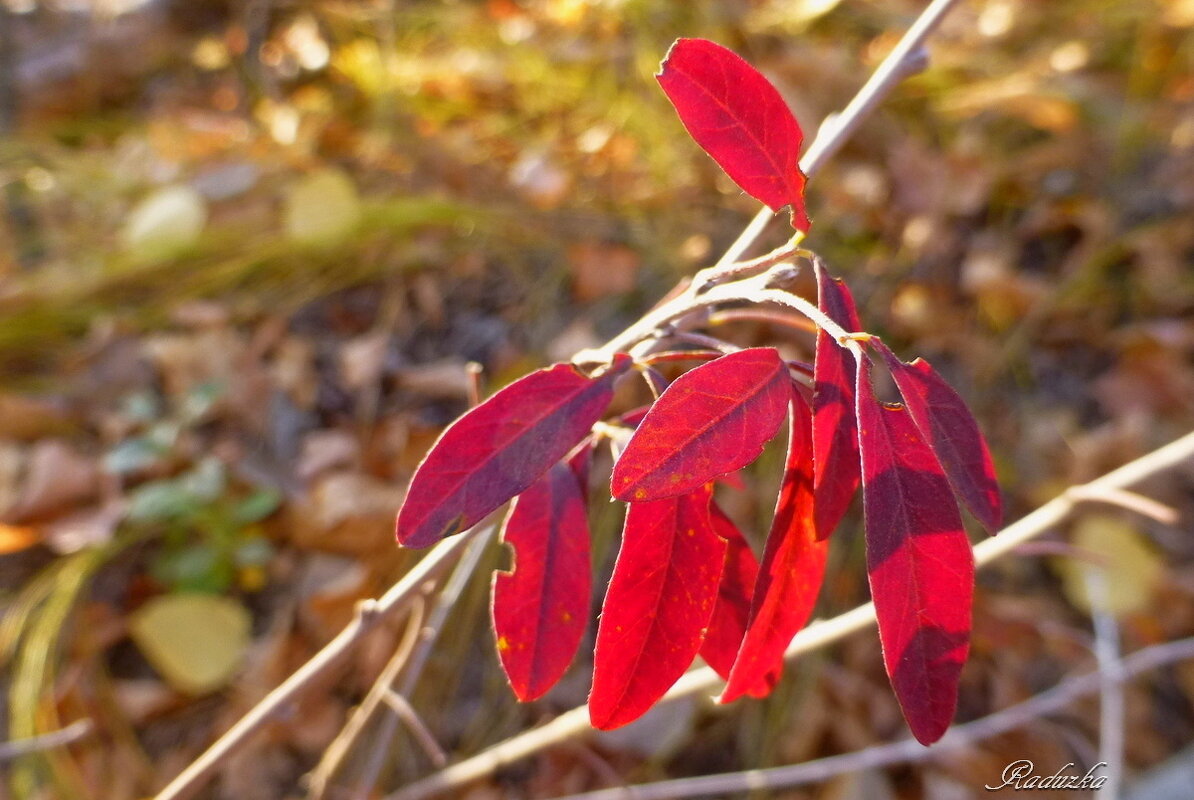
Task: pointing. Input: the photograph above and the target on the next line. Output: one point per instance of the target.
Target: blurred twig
(369, 613)
(80, 729)
(412, 670)
(907, 750)
(575, 722)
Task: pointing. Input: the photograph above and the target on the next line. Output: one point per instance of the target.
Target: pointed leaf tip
(835, 434)
(740, 119)
(501, 447)
(712, 420)
(951, 431)
(919, 561)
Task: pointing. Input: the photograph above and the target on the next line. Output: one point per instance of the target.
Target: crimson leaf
(947, 424)
(712, 420)
(920, 564)
(500, 447)
(835, 435)
(793, 566)
(740, 120)
(660, 601)
(541, 606)
(732, 611)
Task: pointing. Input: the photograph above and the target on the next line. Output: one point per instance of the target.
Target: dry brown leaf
(57, 478)
(326, 450)
(87, 528)
(599, 270)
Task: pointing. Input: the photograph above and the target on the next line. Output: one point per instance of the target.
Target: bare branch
(369, 613)
(907, 750)
(80, 729)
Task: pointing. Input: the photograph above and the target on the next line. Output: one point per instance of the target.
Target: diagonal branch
(907, 751)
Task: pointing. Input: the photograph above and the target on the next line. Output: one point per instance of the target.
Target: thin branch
(368, 614)
(76, 731)
(907, 750)
(1145, 506)
(412, 669)
(319, 779)
(907, 58)
(404, 711)
(1111, 690)
(575, 723)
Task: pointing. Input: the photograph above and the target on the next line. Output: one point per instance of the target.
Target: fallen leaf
(15, 538)
(195, 641)
(321, 207)
(1130, 567)
(167, 221)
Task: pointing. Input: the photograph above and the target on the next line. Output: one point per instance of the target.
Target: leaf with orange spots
(660, 600)
(540, 607)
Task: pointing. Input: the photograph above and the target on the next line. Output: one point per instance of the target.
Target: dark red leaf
(712, 420)
(793, 566)
(835, 436)
(732, 611)
(660, 600)
(950, 429)
(920, 563)
(499, 448)
(739, 119)
(541, 607)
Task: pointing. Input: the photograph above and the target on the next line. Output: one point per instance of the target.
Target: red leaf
(712, 420)
(947, 424)
(739, 119)
(793, 566)
(540, 607)
(660, 600)
(732, 611)
(835, 435)
(920, 563)
(499, 448)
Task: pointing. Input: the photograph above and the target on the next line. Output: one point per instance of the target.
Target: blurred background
(247, 250)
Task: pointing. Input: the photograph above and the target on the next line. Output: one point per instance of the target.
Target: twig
(1145, 506)
(368, 614)
(404, 711)
(1111, 690)
(905, 59)
(907, 750)
(575, 722)
(412, 669)
(77, 730)
(319, 779)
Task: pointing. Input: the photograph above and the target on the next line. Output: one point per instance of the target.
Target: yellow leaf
(322, 207)
(195, 641)
(1130, 567)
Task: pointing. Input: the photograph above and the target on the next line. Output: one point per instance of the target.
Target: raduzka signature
(1021, 775)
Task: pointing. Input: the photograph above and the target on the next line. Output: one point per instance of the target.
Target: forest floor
(247, 253)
